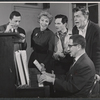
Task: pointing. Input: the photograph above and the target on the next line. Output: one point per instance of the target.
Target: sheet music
(39, 68)
(37, 65)
(20, 68)
(25, 64)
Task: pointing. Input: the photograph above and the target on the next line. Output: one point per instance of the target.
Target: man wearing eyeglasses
(79, 80)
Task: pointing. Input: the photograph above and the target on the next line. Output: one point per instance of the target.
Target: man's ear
(79, 46)
(86, 17)
(9, 20)
(65, 25)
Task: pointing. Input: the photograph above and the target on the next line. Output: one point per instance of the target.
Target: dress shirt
(14, 30)
(83, 31)
(62, 41)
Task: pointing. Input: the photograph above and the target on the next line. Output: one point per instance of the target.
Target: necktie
(59, 46)
(13, 30)
(73, 64)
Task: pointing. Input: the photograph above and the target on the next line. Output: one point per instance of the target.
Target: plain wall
(61, 8)
(5, 10)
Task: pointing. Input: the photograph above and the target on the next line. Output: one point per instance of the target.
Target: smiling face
(80, 19)
(15, 21)
(44, 22)
(59, 25)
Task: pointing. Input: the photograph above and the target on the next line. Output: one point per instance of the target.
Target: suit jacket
(92, 43)
(22, 46)
(7, 69)
(79, 80)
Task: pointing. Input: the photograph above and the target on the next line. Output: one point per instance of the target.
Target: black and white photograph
(50, 50)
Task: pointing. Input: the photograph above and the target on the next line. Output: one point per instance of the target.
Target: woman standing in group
(42, 42)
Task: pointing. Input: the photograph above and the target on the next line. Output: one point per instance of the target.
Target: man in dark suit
(80, 78)
(7, 69)
(91, 32)
(13, 27)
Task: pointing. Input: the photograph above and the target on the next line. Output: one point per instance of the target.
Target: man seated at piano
(80, 80)
(13, 27)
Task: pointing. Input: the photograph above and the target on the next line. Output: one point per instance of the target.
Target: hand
(9, 27)
(49, 74)
(61, 55)
(97, 77)
(22, 40)
(22, 35)
(45, 78)
(66, 51)
(56, 56)
(43, 69)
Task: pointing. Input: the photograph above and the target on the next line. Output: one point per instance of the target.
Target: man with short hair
(61, 55)
(91, 32)
(80, 78)
(7, 70)
(13, 27)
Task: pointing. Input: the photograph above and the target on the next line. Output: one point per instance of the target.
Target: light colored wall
(98, 14)
(61, 8)
(5, 10)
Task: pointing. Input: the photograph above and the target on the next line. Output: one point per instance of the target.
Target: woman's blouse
(43, 42)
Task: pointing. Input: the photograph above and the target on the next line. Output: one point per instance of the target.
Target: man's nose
(17, 23)
(68, 48)
(55, 25)
(75, 19)
(44, 23)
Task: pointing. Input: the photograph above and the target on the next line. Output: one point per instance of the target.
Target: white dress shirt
(83, 31)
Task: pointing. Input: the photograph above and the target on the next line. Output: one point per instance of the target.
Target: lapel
(76, 31)
(77, 64)
(18, 29)
(4, 27)
(88, 30)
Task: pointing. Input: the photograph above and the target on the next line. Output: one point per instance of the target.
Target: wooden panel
(7, 69)
(33, 92)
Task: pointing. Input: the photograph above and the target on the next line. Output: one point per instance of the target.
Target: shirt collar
(76, 58)
(43, 30)
(85, 28)
(13, 30)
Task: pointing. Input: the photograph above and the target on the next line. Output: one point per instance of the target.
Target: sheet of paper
(37, 65)
(20, 68)
(25, 64)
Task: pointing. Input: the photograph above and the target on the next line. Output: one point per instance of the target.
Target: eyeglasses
(72, 45)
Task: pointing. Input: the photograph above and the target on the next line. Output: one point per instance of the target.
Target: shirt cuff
(53, 80)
